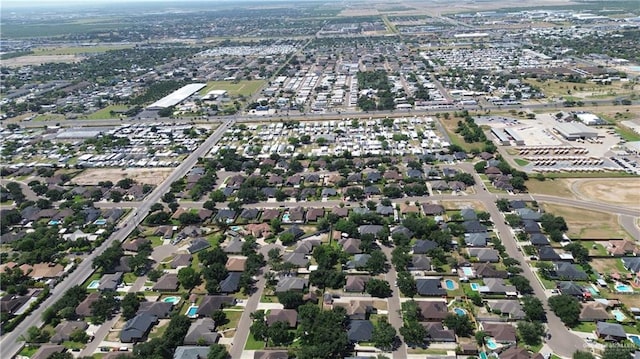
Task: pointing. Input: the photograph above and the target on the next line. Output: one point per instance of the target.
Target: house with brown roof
(432, 209)
(350, 245)
(83, 309)
(409, 208)
(289, 316)
(593, 312)
(432, 310)
(42, 270)
(503, 333)
(47, 350)
(258, 230)
(133, 245)
(63, 330)
(622, 247)
(270, 354)
(313, 214)
(356, 283)
(181, 260)
(269, 214)
(519, 353)
(357, 309)
(340, 211)
(167, 283)
(296, 214)
(236, 264)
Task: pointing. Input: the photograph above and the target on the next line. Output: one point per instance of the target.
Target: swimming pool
(100, 222)
(635, 339)
(192, 311)
(483, 355)
(475, 287)
(172, 300)
(285, 217)
(94, 284)
(623, 288)
(593, 290)
(460, 311)
(54, 222)
(468, 271)
(491, 343)
(450, 284)
(617, 313)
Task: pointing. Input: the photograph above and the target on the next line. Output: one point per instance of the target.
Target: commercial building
(572, 131)
(515, 136)
(501, 136)
(176, 96)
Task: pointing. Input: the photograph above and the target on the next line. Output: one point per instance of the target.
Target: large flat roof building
(501, 136)
(515, 135)
(574, 130)
(176, 96)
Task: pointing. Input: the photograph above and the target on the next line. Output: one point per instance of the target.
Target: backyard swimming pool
(617, 313)
(460, 311)
(635, 339)
(491, 343)
(483, 355)
(285, 217)
(94, 284)
(475, 287)
(172, 300)
(192, 311)
(100, 222)
(450, 284)
(623, 288)
(468, 271)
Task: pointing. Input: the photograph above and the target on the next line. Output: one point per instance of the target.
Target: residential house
(249, 214)
(78, 234)
(270, 354)
(47, 350)
(519, 353)
(269, 214)
(137, 328)
(569, 271)
(437, 333)
(11, 303)
(594, 312)
(571, 288)
(420, 262)
(314, 214)
(547, 253)
(476, 239)
(402, 230)
(291, 283)
(198, 244)
(213, 303)
(357, 309)
(538, 239)
(295, 231)
(620, 248)
(289, 316)
(167, 283)
(234, 246)
(468, 214)
(83, 309)
(487, 270)
(527, 214)
(374, 229)
(181, 260)
(225, 215)
(236, 264)
(610, 332)
(474, 226)
(503, 333)
(422, 246)
(350, 245)
(511, 308)
(431, 209)
(430, 287)
(191, 352)
(133, 245)
(340, 211)
(384, 210)
(497, 286)
(231, 283)
(432, 311)
(258, 230)
(485, 255)
(306, 246)
(360, 331)
(162, 310)
(356, 283)
(296, 215)
(110, 281)
(63, 330)
(298, 260)
(530, 226)
(202, 331)
(358, 261)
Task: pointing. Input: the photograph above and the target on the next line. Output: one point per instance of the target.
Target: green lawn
(233, 317)
(73, 345)
(155, 241)
(105, 112)
(521, 162)
(49, 117)
(253, 344)
(586, 327)
(239, 88)
(28, 351)
(269, 299)
(129, 278)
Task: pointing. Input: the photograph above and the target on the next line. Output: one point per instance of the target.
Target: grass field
(579, 91)
(49, 117)
(253, 344)
(558, 187)
(76, 50)
(450, 126)
(240, 88)
(584, 223)
(521, 162)
(105, 112)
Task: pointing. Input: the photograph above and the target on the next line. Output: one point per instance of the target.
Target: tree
(104, 307)
(407, 284)
(521, 283)
(259, 328)
(616, 352)
(36, 335)
(130, 305)
(413, 333)
(533, 308)
(354, 193)
(579, 252)
(218, 351)
(188, 277)
(217, 196)
(219, 317)
(377, 263)
(503, 204)
(279, 334)
(460, 324)
(378, 288)
(79, 336)
(290, 300)
(530, 332)
(566, 307)
(188, 218)
(480, 337)
(582, 355)
(480, 166)
(476, 299)
(384, 335)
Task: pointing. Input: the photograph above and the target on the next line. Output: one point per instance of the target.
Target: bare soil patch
(618, 191)
(39, 60)
(559, 187)
(152, 176)
(588, 224)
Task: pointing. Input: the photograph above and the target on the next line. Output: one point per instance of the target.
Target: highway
(9, 344)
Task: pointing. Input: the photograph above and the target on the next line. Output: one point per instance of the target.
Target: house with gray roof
(110, 281)
(528, 214)
(571, 288)
(474, 226)
(291, 283)
(137, 328)
(356, 283)
(631, 263)
(468, 214)
(198, 244)
(358, 261)
(420, 262)
(374, 229)
(191, 352)
(437, 333)
(538, 239)
(167, 283)
(430, 287)
(510, 308)
(299, 260)
(611, 332)
(423, 246)
(202, 331)
(360, 331)
(64, 330)
(47, 350)
(476, 239)
(162, 310)
(496, 286)
(569, 271)
(231, 283)
(212, 303)
(235, 246)
(485, 255)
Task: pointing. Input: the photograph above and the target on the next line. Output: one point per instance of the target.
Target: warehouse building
(501, 136)
(515, 136)
(572, 131)
(176, 96)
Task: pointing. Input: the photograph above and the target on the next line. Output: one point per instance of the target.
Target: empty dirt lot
(152, 176)
(618, 191)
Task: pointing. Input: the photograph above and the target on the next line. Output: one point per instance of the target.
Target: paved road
(563, 342)
(9, 345)
(242, 329)
(393, 305)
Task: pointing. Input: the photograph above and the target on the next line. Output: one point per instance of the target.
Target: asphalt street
(9, 344)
